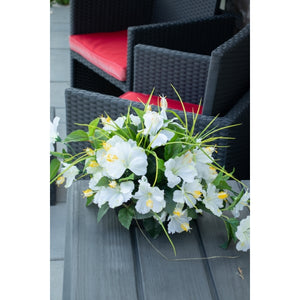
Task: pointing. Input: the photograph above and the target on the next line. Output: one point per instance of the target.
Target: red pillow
(106, 50)
(155, 100)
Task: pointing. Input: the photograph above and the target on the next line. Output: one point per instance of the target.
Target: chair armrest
(200, 36)
(108, 15)
(159, 67)
(238, 154)
(229, 73)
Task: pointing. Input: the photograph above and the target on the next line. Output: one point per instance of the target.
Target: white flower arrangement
(153, 169)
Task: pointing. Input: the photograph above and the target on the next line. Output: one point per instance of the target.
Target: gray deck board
(105, 261)
(98, 258)
(230, 284)
(174, 280)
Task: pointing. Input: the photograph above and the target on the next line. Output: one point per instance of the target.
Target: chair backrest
(171, 10)
(229, 73)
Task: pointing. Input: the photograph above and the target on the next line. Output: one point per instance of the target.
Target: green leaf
(161, 165)
(139, 112)
(152, 227)
(102, 211)
(89, 200)
(172, 150)
(191, 213)
(235, 201)
(54, 167)
(130, 177)
(93, 126)
(77, 136)
(231, 227)
(61, 155)
(125, 217)
(104, 181)
(170, 204)
(139, 216)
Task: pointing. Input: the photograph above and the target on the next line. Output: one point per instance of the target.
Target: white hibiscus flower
(69, 175)
(179, 221)
(241, 204)
(153, 122)
(110, 125)
(243, 235)
(213, 200)
(149, 198)
(135, 120)
(189, 193)
(181, 167)
(118, 156)
(115, 194)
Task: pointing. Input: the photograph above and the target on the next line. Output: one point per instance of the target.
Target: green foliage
(77, 136)
(231, 227)
(89, 200)
(125, 217)
(152, 227)
(104, 181)
(54, 167)
(102, 211)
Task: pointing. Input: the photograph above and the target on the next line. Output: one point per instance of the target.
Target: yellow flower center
(222, 195)
(185, 226)
(213, 170)
(111, 157)
(93, 164)
(89, 151)
(106, 146)
(149, 203)
(197, 194)
(177, 213)
(112, 184)
(106, 120)
(60, 180)
(87, 193)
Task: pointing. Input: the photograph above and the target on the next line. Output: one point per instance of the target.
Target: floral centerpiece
(154, 169)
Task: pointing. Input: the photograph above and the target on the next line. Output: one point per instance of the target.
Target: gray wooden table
(106, 261)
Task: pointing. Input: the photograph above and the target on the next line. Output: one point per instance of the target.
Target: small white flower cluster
(119, 167)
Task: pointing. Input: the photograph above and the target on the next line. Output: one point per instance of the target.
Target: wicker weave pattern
(229, 73)
(170, 10)
(89, 16)
(111, 15)
(83, 106)
(226, 81)
(186, 71)
(195, 36)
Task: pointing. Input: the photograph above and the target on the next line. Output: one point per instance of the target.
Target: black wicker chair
(159, 23)
(83, 106)
(217, 75)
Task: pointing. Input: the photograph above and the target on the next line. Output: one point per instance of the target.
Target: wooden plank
(229, 281)
(98, 257)
(162, 279)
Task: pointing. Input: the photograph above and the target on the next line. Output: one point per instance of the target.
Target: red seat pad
(106, 50)
(155, 100)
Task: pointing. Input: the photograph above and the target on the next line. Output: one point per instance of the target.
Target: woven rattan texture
(195, 36)
(89, 16)
(83, 106)
(170, 10)
(154, 67)
(229, 73)
(96, 16)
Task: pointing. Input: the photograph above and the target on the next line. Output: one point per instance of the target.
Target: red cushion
(106, 50)
(172, 104)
